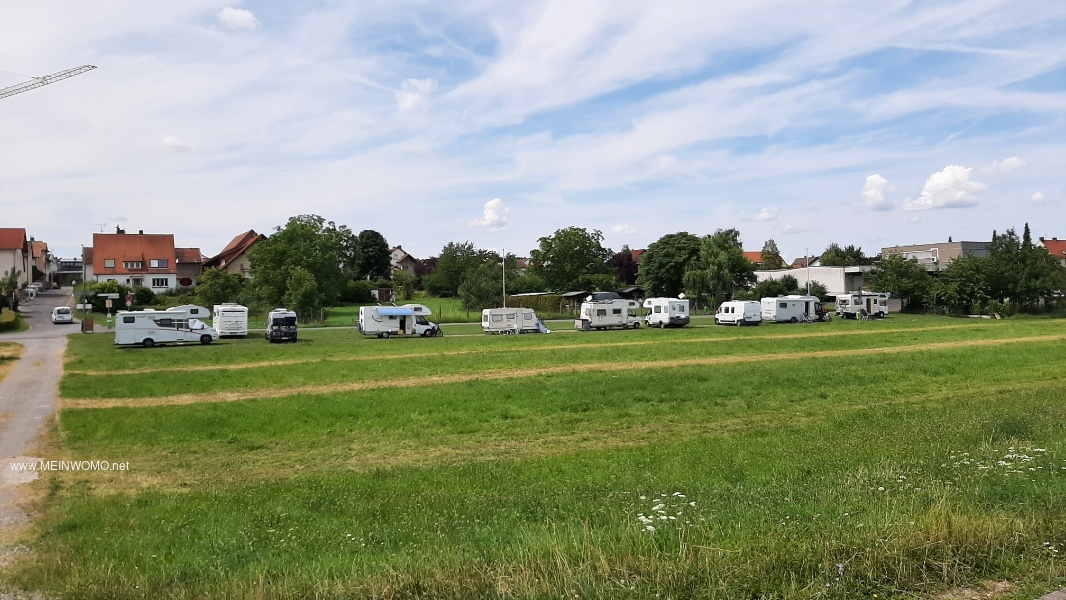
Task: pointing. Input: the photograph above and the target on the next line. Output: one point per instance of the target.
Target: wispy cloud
(1038, 198)
(765, 214)
(1007, 165)
(623, 229)
(174, 142)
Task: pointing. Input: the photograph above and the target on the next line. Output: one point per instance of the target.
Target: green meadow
(903, 458)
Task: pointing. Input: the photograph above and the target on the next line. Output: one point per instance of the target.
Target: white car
(62, 314)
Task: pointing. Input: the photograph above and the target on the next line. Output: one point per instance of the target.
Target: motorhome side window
(783, 305)
(168, 323)
(128, 319)
(616, 311)
(658, 309)
(601, 312)
(497, 318)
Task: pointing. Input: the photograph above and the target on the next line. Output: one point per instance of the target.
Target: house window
(158, 263)
(159, 282)
(133, 264)
(109, 263)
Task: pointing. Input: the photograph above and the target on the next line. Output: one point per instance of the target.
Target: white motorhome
(511, 321)
(874, 303)
(406, 320)
(607, 314)
(177, 325)
(667, 312)
(281, 326)
(230, 319)
(793, 308)
(739, 313)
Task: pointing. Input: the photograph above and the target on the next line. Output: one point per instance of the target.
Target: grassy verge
(848, 475)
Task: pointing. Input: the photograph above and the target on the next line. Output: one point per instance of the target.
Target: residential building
(41, 260)
(87, 264)
(69, 270)
(938, 255)
(190, 263)
(838, 280)
(638, 255)
(15, 253)
(136, 260)
(806, 261)
(234, 257)
(400, 260)
(755, 258)
(1056, 247)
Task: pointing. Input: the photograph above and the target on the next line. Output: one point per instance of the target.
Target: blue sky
(861, 123)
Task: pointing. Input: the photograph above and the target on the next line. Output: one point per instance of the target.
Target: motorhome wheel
(148, 343)
(793, 320)
(636, 325)
(440, 332)
(385, 335)
(205, 339)
(740, 322)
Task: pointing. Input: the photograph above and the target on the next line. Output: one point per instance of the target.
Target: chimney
(140, 231)
(119, 229)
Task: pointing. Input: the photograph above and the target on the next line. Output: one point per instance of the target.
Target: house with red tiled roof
(234, 257)
(15, 253)
(638, 255)
(807, 261)
(136, 260)
(87, 263)
(190, 265)
(402, 261)
(1056, 247)
(755, 258)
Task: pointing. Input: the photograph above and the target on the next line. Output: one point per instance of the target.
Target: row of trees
(1014, 276)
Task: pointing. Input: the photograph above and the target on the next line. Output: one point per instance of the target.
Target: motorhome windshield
(283, 322)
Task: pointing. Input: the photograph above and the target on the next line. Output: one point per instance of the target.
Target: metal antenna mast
(37, 82)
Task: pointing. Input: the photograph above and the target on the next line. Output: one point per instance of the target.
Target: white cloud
(1007, 165)
(238, 18)
(493, 217)
(415, 94)
(176, 143)
(1038, 198)
(915, 220)
(766, 214)
(623, 229)
(950, 188)
(873, 194)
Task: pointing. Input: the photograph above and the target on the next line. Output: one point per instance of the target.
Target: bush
(8, 320)
(143, 296)
(357, 291)
(549, 303)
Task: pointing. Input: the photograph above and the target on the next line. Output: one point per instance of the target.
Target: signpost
(129, 299)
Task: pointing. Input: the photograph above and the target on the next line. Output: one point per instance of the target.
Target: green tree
(563, 257)
(770, 257)
(482, 288)
(372, 257)
(216, 286)
(848, 256)
(662, 266)
(451, 267)
(904, 278)
(405, 284)
(301, 293)
(721, 267)
(306, 242)
(9, 284)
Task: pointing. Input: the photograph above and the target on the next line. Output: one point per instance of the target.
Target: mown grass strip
(426, 380)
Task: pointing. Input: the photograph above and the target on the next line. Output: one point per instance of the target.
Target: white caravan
(792, 309)
(605, 314)
(739, 313)
(511, 321)
(177, 325)
(231, 320)
(875, 304)
(281, 326)
(406, 320)
(667, 312)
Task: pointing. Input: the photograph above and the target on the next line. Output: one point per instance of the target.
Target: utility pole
(504, 265)
(807, 258)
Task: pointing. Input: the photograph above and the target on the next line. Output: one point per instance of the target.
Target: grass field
(901, 458)
(9, 353)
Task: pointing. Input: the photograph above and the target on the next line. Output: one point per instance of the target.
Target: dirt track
(532, 372)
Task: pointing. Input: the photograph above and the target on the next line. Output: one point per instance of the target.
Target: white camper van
(607, 313)
(667, 312)
(406, 320)
(739, 313)
(281, 326)
(177, 325)
(874, 303)
(511, 321)
(231, 320)
(793, 308)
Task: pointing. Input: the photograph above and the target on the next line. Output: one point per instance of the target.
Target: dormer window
(133, 264)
